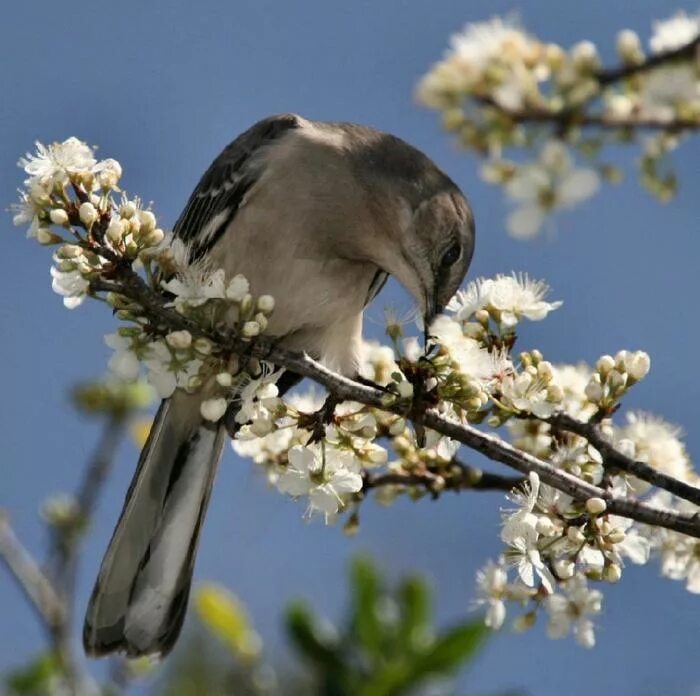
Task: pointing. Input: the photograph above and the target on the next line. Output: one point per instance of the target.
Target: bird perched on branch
(317, 215)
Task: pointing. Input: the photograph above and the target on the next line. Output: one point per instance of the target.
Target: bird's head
(435, 247)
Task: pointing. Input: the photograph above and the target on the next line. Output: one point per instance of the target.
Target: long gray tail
(140, 597)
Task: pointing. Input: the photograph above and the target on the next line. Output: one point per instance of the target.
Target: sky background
(163, 87)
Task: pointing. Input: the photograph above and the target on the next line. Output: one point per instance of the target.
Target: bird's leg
(316, 422)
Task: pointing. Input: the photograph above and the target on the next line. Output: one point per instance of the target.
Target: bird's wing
(219, 193)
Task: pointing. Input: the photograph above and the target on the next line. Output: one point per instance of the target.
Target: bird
(318, 215)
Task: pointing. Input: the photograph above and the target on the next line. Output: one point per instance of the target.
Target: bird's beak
(432, 309)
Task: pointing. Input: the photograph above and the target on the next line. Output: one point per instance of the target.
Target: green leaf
(450, 651)
(316, 642)
(35, 678)
(366, 588)
(414, 627)
(453, 648)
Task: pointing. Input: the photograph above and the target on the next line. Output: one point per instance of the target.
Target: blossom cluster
(330, 455)
(69, 201)
(499, 87)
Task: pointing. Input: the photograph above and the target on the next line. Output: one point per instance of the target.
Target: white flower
(657, 443)
(523, 553)
(376, 362)
(166, 371)
(510, 297)
(495, 56)
(124, 363)
(480, 42)
(55, 161)
(471, 358)
(237, 288)
(70, 285)
(634, 545)
(667, 89)
(257, 397)
(194, 286)
(325, 474)
(674, 32)
(549, 183)
(573, 610)
(491, 582)
(522, 521)
(573, 379)
(528, 393)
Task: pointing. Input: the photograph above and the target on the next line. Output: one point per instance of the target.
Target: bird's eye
(451, 255)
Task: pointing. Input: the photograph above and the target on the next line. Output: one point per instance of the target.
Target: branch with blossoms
(499, 88)
(593, 495)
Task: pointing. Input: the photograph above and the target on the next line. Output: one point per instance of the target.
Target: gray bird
(317, 215)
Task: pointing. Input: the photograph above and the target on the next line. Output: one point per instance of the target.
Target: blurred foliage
(112, 397)
(386, 645)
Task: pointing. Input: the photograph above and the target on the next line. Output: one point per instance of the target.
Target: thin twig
(611, 75)
(66, 540)
(31, 580)
(615, 459)
(456, 477)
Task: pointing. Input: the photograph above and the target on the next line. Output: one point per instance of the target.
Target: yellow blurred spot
(140, 430)
(223, 614)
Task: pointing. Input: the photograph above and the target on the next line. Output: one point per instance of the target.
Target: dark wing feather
(221, 189)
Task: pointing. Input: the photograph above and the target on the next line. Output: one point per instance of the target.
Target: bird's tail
(138, 604)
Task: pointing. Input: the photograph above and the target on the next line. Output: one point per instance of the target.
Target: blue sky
(163, 87)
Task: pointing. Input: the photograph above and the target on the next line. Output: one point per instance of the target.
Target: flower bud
(250, 329)
(69, 251)
(405, 389)
(266, 303)
(45, 236)
(564, 568)
(638, 365)
(202, 346)
(109, 174)
(594, 389)
(59, 216)
(246, 304)
(545, 526)
(616, 380)
(213, 409)
(575, 535)
(147, 220)
(605, 364)
(596, 506)
(262, 320)
(544, 370)
(179, 339)
(585, 56)
(629, 47)
(127, 209)
(612, 572)
(615, 536)
(555, 393)
(224, 379)
(154, 237)
(87, 214)
(115, 231)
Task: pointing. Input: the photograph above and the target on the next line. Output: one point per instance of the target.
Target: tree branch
(349, 390)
